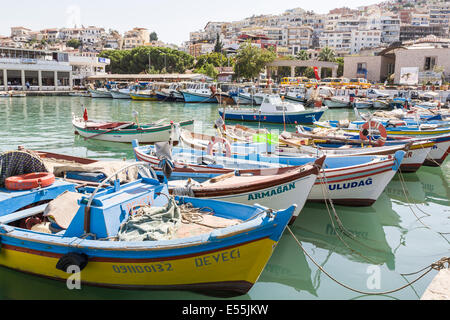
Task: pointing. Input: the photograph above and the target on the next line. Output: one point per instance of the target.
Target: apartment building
(136, 38)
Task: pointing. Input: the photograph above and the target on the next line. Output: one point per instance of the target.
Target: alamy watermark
(374, 280)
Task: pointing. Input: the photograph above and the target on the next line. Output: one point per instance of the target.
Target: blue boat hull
(304, 118)
(194, 98)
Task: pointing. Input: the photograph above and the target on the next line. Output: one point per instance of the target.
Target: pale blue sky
(171, 19)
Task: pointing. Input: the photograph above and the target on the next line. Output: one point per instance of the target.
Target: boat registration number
(164, 267)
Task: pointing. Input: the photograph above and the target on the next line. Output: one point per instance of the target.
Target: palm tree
(327, 54)
(302, 55)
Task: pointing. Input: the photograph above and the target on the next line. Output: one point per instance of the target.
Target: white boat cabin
(273, 103)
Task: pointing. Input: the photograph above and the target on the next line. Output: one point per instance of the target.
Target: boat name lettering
(165, 267)
(274, 192)
(144, 201)
(217, 258)
(409, 155)
(349, 185)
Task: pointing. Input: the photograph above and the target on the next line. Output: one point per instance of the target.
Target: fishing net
(17, 163)
(152, 224)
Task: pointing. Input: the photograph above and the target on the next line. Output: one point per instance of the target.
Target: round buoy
(364, 133)
(217, 140)
(30, 181)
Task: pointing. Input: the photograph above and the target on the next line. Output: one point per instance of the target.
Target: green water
(387, 235)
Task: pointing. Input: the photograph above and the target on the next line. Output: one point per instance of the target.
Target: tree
(309, 73)
(74, 43)
(214, 58)
(251, 60)
(340, 71)
(153, 36)
(327, 54)
(219, 45)
(209, 70)
(302, 55)
(148, 59)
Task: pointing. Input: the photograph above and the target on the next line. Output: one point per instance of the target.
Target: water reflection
(366, 242)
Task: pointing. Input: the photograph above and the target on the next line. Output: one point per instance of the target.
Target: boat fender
(30, 181)
(72, 259)
(363, 134)
(216, 140)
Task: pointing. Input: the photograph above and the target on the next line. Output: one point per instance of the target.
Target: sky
(172, 20)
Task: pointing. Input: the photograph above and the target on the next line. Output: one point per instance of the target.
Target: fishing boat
(223, 98)
(126, 132)
(362, 103)
(421, 130)
(436, 156)
(351, 181)
(276, 188)
(224, 251)
(170, 93)
(298, 145)
(144, 95)
(99, 93)
(121, 93)
(337, 102)
(381, 104)
(198, 93)
(274, 110)
(296, 94)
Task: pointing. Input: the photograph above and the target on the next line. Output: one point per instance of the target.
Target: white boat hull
(120, 95)
(335, 104)
(100, 94)
(295, 195)
(354, 186)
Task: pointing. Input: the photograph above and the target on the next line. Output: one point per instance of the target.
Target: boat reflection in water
(290, 266)
(428, 185)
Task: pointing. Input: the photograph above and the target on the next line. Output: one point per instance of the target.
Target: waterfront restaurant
(37, 70)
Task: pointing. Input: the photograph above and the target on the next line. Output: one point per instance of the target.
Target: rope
(402, 182)
(439, 265)
(339, 221)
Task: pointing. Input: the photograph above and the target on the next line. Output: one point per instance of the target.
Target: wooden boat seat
(208, 224)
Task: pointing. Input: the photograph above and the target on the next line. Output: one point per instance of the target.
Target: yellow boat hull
(236, 267)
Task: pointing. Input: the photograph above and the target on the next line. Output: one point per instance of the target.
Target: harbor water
(387, 240)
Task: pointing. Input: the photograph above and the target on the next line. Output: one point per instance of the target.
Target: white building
(86, 65)
(363, 39)
(390, 29)
(22, 69)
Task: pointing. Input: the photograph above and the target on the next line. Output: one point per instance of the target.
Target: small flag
(85, 115)
(316, 72)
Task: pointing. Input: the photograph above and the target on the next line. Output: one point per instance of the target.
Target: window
(430, 62)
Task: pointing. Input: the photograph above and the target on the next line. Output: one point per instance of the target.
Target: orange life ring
(374, 125)
(216, 140)
(30, 181)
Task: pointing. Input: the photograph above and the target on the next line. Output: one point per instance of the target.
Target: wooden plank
(22, 214)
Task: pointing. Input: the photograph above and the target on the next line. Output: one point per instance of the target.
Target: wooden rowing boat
(352, 181)
(225, 252)
(275, 188)
(126, 132)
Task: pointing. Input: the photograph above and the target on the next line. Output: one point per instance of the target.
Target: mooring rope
(339, 221)
(403, 184)
(439, 265)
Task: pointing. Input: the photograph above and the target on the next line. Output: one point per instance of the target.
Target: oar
(107, 131)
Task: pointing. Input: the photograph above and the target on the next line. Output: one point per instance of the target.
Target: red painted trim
(126, 260)
(355, 178)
